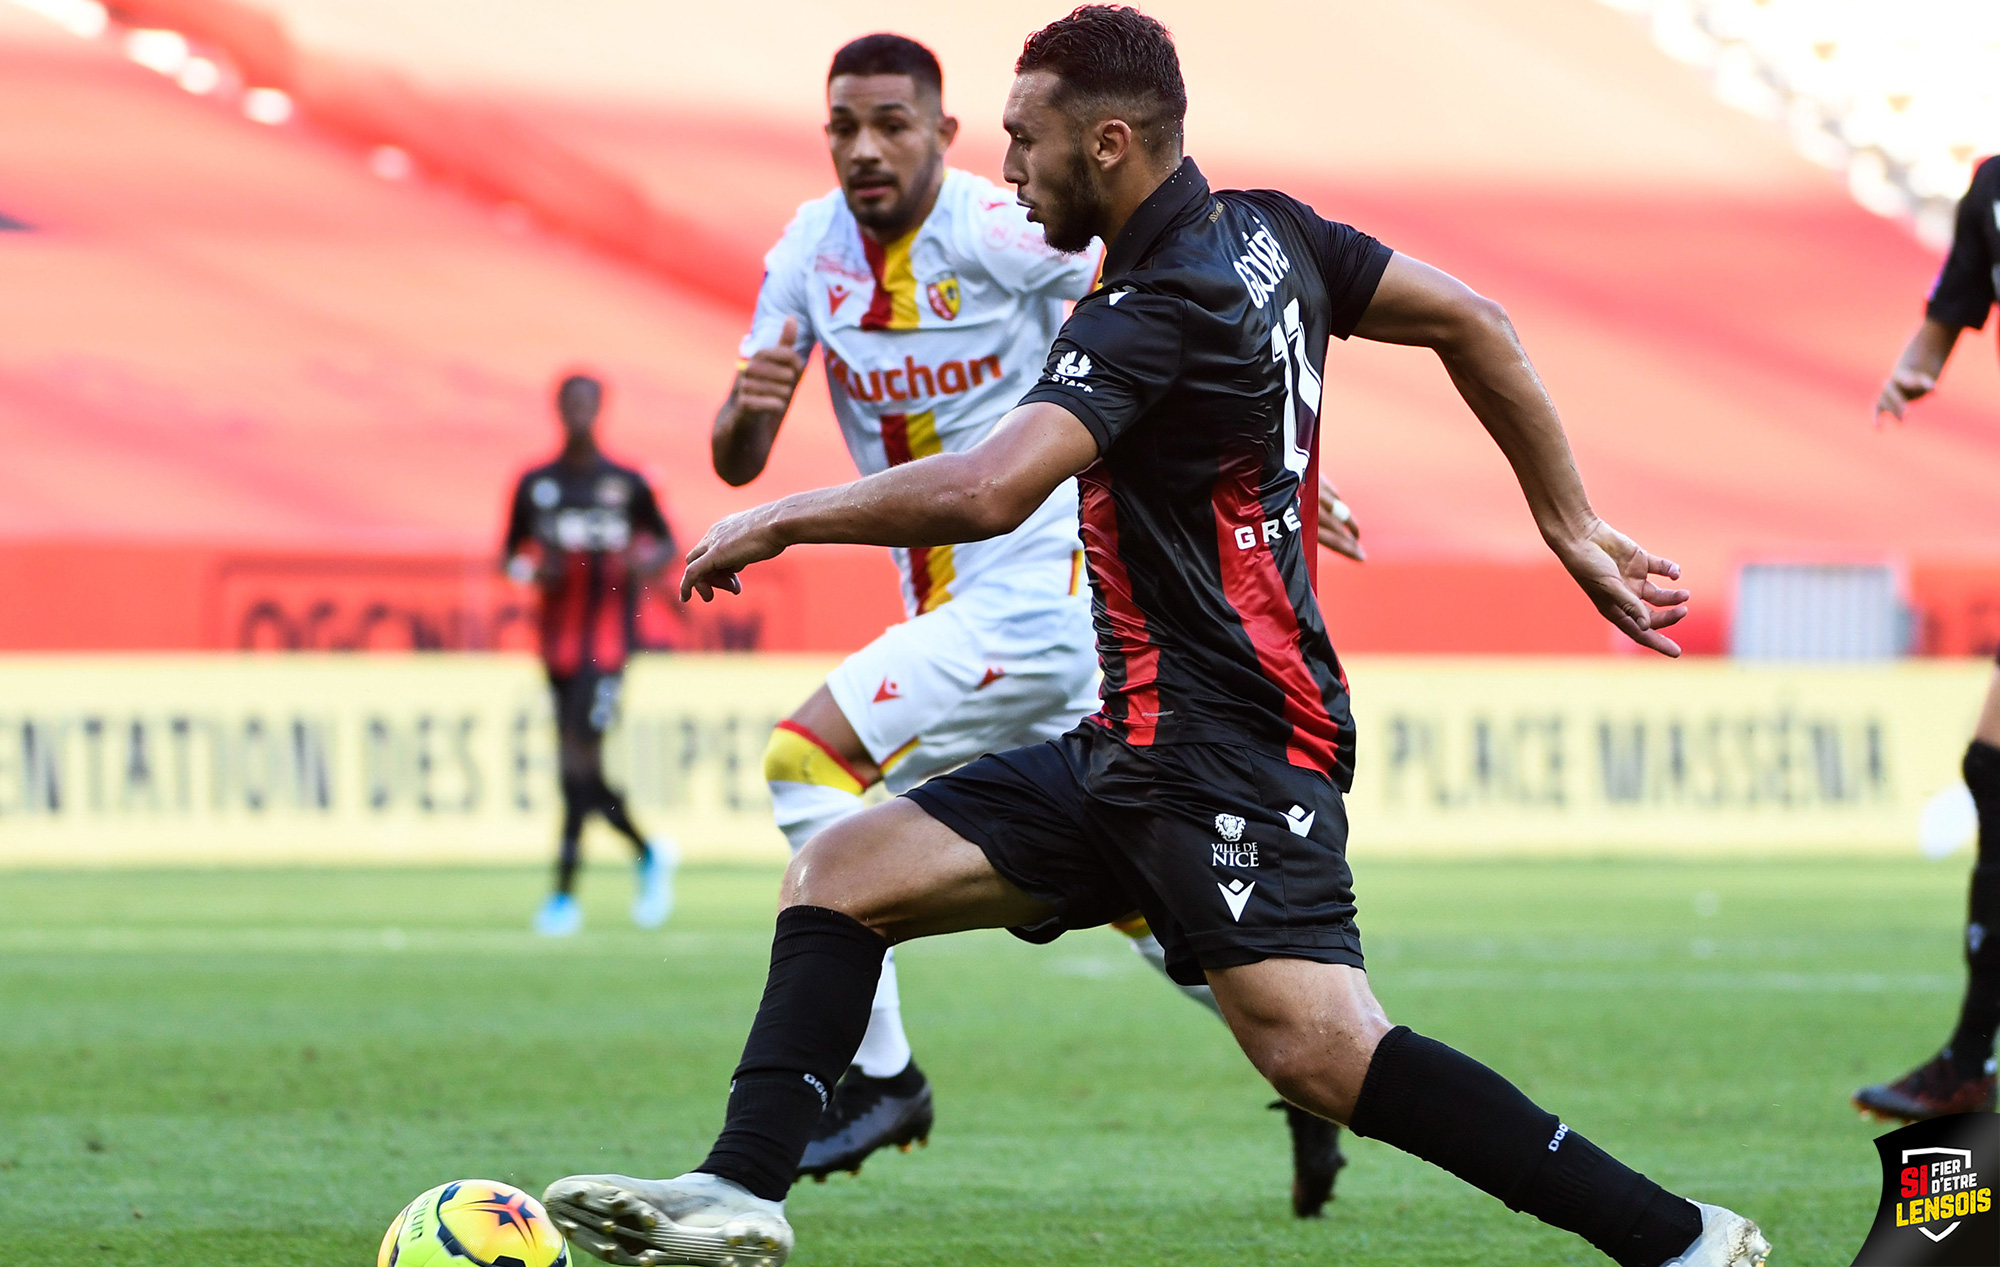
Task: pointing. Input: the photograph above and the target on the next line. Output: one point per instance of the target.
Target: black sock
(1452, 1111)
(612, 806)
(576, 803)
(1979, 1015)
(824, 966)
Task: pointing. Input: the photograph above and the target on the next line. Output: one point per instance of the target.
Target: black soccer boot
(1930, 1090)
(1316, 1159)
(866, 1114)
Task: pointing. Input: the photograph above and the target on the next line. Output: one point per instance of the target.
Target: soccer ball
(473, 1223)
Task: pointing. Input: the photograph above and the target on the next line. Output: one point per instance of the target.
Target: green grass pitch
(261, 1067)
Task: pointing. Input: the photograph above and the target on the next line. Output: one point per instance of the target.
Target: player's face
(1046, 163)
(578, 404)
(888, 139)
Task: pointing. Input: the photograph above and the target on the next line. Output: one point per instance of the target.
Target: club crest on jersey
(1229, 827)
(613, 491)
(944, 297)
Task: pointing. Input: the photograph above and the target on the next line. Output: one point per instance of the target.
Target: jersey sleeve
(1963, 291)
(1352, 264)
(1112, 361)
(646, 516)
(782, 294)
(520, 519)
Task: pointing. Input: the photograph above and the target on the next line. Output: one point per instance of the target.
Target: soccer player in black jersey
(1959, 1079)
(589, 533)
(1183, 395)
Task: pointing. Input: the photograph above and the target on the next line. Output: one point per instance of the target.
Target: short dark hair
(1111, 55)
(578, 381)
(886, 54)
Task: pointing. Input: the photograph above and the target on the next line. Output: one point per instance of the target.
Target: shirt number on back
(1302, 384)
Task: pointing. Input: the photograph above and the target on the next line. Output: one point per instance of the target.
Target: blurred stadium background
(292, 280)
(289, 284)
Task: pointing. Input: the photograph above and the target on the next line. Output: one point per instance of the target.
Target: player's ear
(1113, 140)
(947, 131)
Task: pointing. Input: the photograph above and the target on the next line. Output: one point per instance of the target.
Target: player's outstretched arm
(989, 489)
(747, 424)
(1420, 306)
(1917, 370)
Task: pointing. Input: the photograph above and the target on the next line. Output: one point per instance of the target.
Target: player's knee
(831, 872)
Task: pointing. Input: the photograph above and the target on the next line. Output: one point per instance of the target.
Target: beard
(894, 220)
(1074, 208)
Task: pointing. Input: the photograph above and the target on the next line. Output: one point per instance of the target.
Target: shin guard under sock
(1979, 1015)
(1445, 1107)
(824, 966)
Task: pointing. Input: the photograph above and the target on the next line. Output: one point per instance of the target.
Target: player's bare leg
(1960, 1078)
(882, 876)
(1316, 1157)
(818, 770)
(1317, 1033)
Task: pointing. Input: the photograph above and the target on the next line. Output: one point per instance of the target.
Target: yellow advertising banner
(368, 758)
(426, 758)
(1614, 755)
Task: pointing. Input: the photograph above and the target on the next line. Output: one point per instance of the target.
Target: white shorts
(990, 670)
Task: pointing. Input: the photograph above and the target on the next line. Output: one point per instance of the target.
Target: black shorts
(1232, 856)
(586, 701)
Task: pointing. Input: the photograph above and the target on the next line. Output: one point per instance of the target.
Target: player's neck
(579, 451)
(1128, 191)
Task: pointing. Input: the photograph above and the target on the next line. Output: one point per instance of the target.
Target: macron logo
(1237, 895)
(1299, 821)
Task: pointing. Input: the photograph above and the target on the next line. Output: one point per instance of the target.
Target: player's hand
(768, 379)
(1903, 387)
(1338, 531)
(727, 548)
(1618, 576)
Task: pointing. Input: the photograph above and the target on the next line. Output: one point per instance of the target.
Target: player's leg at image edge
(883, 1099)
(1959, 1079)
(1316, 1157)
(1416, 1094)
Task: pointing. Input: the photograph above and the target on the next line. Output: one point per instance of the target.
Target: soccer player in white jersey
(934, 301)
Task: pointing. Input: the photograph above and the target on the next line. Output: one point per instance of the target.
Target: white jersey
(929, 341)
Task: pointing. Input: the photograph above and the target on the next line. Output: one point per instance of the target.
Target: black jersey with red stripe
(585, 519)
(1196, 365)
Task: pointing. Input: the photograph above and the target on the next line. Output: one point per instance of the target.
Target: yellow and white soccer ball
(473, 1223)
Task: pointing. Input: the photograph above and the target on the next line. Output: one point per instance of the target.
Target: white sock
(803, 810)
(885, 1050)
(1150, 949)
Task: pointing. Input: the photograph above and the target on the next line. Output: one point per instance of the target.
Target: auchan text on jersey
(912, 381)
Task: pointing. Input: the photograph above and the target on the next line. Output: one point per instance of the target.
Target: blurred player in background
(935, 301)
(1959, 1079)
(589, 534)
